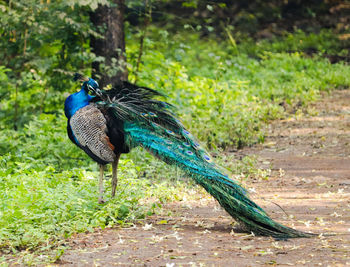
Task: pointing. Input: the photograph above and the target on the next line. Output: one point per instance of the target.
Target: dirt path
(310, 162)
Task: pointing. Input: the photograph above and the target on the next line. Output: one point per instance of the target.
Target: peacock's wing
(88, 129)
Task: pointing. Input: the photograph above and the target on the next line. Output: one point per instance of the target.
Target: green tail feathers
(197, 163)
(254, 220)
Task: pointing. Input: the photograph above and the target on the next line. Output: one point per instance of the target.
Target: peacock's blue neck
(75, 102)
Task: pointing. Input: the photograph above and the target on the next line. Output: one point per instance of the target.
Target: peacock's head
(89, 84)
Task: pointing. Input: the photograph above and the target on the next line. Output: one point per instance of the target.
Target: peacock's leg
(100, 184)
(114, 174)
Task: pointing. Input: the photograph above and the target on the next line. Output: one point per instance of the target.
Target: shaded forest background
(229, 66)
(42, 42)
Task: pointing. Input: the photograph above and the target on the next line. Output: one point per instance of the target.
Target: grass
(48, 187)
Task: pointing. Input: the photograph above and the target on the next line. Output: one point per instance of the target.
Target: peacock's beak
(97, 91)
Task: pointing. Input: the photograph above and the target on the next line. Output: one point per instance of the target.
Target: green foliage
(38, 35)
(41, 44)
(322, 43)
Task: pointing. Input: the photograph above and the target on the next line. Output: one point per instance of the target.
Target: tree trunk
(109, 22)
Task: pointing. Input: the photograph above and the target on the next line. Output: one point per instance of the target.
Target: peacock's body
(114, 121)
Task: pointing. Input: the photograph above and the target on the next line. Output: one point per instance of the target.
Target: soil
(309, 158)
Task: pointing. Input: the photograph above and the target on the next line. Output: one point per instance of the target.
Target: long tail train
(232, 197)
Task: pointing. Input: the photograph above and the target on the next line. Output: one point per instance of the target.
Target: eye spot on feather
(207, 158)
(170, 132)
(186, 144)
(189, 152)
(186, 132)
(180, 147)
(168, 142)
(196, 145)
(152, 114)
(144, 114)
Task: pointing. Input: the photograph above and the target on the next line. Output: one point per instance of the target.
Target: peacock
(108, 123)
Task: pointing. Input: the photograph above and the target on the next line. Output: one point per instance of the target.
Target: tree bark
(109, 22)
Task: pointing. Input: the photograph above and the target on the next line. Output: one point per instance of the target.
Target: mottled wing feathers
(89, 128)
